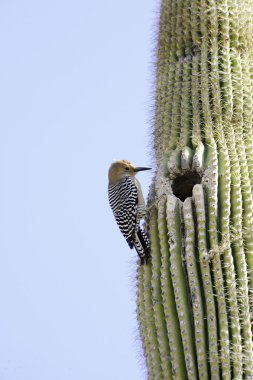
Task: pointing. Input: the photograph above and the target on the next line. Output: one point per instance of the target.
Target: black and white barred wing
(123, 199)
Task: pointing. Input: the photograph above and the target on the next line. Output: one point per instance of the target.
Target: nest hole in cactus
(182, 185)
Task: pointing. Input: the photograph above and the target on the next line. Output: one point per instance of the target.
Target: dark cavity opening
(182, 186)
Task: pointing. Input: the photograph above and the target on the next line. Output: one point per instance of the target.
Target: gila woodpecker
(128, 205)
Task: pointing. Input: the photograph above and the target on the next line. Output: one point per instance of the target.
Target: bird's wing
(123, 199)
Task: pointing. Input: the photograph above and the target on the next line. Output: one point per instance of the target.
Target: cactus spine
(194, 298)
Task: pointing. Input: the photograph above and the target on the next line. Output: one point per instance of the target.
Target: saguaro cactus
(194, 299)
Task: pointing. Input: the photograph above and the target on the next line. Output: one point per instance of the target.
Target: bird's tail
(142, 245)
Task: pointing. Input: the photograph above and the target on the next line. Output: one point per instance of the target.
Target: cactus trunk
(194, 297)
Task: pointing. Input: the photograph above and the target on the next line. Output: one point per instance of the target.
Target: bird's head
(122, 168)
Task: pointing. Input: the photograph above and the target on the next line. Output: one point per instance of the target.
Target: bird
(127, 203)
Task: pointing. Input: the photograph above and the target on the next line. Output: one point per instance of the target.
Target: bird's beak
(139, 169)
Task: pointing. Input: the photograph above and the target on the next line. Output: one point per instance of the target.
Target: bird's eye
(127, 168)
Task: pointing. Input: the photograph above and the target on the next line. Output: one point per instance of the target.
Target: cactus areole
(194, 297)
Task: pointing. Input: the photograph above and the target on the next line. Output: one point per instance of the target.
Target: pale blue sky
(75, 94)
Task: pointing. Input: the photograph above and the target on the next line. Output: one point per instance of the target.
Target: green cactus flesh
(195, 295)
